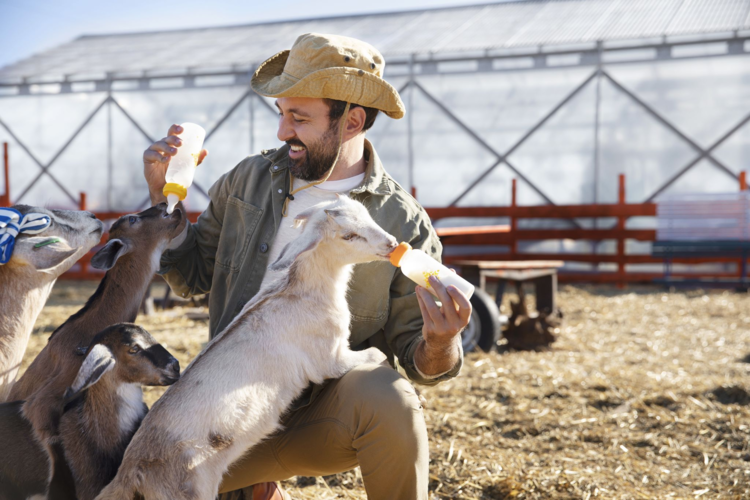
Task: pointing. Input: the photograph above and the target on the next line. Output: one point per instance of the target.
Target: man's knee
(384, 398)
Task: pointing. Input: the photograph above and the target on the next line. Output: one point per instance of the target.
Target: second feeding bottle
(418, 267)
(181, 168)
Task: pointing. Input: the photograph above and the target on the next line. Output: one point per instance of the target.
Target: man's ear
(98, 361)
(106, 257)
(42, 252)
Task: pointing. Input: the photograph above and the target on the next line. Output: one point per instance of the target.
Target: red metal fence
(510, 236)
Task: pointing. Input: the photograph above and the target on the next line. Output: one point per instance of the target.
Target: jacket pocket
(369, 291)
(240, 221)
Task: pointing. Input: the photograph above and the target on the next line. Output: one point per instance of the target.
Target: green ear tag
(47, 242)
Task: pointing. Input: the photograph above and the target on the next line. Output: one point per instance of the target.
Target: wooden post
(620, 238)
(743, 181)
(5, 199)
(513, 221)
(414, 192)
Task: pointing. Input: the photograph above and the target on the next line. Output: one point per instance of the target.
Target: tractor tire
(483, 330)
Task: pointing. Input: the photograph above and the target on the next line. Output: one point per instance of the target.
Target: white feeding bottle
(182, 165)
(418, 267)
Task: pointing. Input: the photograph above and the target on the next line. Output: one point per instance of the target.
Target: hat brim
(340, 83)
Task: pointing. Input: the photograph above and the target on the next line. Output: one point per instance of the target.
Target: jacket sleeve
(403, 330)
(189, 268)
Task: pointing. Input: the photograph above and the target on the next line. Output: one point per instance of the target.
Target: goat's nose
(174, 366)
(91, 216)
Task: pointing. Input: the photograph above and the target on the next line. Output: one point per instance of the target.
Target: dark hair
(337, 110)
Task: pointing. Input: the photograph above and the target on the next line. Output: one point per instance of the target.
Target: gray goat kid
(27, 279)
(233, 394)
(102, 410)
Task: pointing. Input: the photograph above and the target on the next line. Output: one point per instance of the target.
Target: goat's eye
(135, 349)
(349, 236)
(132, 219)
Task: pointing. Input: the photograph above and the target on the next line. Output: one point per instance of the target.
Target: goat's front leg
(348, 359)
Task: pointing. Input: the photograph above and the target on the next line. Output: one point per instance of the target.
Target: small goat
(135, 244)
(102, 410)
(294, 331)
(27, 279)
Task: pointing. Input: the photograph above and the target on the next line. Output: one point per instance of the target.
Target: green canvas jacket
(226, 253)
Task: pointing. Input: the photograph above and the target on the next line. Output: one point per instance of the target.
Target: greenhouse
(562, 95)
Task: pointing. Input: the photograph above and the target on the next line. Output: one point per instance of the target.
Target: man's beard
(318, 159)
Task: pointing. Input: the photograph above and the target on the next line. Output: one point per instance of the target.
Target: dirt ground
(645, 395)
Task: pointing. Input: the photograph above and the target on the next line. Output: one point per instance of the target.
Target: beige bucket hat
(329, 67)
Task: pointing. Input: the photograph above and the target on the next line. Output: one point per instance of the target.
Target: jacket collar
(376, 180)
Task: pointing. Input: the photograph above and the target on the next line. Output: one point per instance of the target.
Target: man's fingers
(151, 156)
(423, 309)
(464, 305)
(163, 148)
(202, 156)
(448, 309)
(174, 130)
(432, 309)
(173, 140)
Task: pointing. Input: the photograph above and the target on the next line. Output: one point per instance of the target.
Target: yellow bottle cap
(172, 188)
(398, 253)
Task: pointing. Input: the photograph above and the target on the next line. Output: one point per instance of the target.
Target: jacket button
(275, 167)
(264, 248)
(280, 191)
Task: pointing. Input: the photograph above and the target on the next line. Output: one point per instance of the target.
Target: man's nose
(285, 131)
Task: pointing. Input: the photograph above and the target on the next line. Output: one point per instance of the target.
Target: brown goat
(102, 410)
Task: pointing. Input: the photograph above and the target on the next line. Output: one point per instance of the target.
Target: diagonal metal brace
(503, 157)
(666, 123)
(45, 168)
(698, 158)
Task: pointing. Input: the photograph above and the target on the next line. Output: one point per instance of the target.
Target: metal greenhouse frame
(592, 36)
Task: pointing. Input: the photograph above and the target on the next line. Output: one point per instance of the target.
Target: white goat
(102, 410)
(293, 332)
(27, 279)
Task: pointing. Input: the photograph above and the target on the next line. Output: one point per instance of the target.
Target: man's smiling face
(305, 125)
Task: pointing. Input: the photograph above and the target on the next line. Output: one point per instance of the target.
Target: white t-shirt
(321, 193)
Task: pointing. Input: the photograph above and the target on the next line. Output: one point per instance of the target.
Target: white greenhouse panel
(634, 143)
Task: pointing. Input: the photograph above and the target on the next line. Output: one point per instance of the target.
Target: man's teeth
(297, 148)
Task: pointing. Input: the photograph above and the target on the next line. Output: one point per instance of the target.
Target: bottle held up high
(418, 267)
(181, 169)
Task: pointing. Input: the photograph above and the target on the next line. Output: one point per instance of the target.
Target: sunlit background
(561, 95)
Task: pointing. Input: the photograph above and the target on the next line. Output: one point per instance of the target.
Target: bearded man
(328, 91)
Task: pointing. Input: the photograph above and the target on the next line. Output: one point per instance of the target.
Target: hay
(645, 395)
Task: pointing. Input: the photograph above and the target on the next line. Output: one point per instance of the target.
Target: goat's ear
(303, 217)
(106, 257)
(307, 241)
(43, 253)
(98, 361)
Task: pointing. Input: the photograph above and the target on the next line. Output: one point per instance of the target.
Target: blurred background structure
(562, 95)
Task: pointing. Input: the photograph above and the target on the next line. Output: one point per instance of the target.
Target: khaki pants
(371, 418)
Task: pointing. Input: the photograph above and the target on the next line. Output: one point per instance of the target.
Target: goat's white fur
(132, 410)
(295, 331)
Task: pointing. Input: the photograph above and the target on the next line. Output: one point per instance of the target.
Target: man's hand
(156, 160)
(440, 350)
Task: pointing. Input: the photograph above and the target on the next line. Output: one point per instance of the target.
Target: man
(329, 90)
